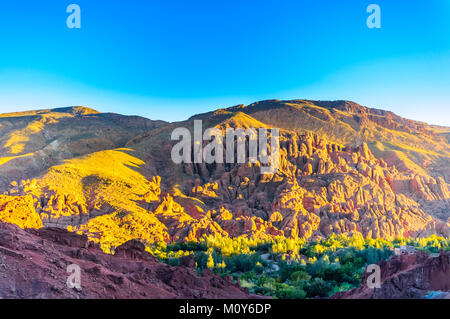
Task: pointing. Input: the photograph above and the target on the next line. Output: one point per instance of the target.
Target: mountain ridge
(344, 168)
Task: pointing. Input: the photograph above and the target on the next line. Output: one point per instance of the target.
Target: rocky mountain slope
(344, 168)
(33, 141)
(409, 276)
(34, 263)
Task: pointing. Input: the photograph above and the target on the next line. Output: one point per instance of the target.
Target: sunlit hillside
(37, 140)
(344, 169)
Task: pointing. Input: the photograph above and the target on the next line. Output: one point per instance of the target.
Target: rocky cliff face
(33, 264)
(344, 168)
(409, 276)
(323, 188)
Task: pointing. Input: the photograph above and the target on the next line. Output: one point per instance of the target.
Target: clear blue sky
(171, 59)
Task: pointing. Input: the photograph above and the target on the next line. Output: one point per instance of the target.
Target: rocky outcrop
(409, 276)
(323, 188)
(34, 263)
(19, 210)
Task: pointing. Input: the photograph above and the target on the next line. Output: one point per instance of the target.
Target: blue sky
(171, 59)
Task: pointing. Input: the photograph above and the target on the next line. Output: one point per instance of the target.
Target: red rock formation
(322, 189)
(33, 264)
(409, 276)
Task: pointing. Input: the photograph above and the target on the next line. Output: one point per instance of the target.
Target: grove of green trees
(292, 268)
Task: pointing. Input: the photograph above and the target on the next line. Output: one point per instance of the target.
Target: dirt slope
(33, 264)
(409, 276)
